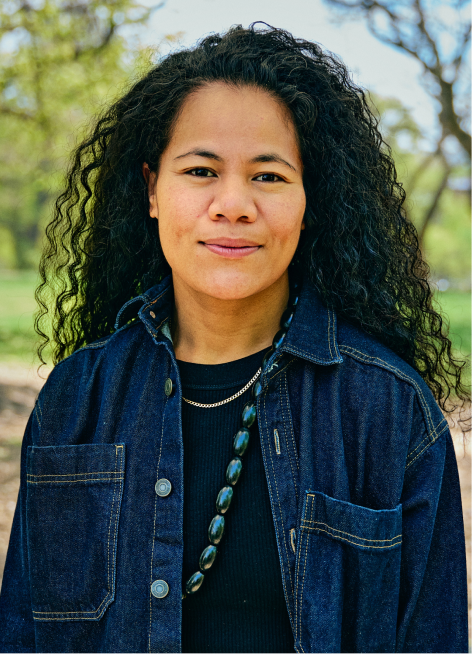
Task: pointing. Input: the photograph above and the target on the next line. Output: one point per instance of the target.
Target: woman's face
(229, 195)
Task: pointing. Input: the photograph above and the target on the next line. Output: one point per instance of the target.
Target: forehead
(244, 117)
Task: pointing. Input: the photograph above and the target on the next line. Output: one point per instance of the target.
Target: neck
(210, 331)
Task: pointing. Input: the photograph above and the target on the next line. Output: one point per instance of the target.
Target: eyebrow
(268, 158)
(261, 158)
(201, 153)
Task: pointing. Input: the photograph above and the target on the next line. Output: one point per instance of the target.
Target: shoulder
(95, 366)
(391, 382)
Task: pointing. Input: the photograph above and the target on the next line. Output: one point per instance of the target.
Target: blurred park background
(62, 60)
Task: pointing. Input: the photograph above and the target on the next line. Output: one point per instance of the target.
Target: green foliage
(447, 240)
(60, 62)
(447, 237)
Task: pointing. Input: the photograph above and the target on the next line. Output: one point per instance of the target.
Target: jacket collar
(312, 334)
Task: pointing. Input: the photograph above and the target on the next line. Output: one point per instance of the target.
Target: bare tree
(422, 32)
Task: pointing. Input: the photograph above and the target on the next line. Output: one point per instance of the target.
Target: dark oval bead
(216, 529)
(279, 339)
(286, 319)
(207, 557)
(224, 499)
(256, 389)
(249, 414)
(194, 583)
(241, 441)
(266, 358)
(232, 472)
(294, 301)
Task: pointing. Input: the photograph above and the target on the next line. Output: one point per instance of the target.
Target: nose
(233, 201)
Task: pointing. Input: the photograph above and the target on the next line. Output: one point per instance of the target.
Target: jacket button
(163, 487)
(159, 588)
(168, 387)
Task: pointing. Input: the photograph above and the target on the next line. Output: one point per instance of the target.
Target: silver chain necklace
(228, 399)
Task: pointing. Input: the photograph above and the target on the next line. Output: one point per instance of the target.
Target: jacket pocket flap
(352, 524)
(73, 463)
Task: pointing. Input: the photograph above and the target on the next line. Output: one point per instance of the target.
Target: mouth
(231, 248)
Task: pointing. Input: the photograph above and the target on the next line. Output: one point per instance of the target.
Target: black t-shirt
(240, 606)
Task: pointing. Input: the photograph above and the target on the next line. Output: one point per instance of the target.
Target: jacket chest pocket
(72, 513)
(347, 576)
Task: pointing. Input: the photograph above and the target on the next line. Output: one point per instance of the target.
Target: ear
(151, 179)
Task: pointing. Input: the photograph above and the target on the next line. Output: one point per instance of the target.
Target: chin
(230, 286)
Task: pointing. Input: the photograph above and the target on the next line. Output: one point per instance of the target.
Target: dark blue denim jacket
(360, 469)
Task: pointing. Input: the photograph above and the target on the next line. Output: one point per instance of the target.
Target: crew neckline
(220, 375)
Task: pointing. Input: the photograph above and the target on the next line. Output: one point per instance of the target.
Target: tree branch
(435, 201)
(23, 115)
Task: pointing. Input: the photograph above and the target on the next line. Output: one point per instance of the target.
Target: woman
(237, 210)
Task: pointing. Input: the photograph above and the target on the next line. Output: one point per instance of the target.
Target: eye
(268, 177)
(201, 172)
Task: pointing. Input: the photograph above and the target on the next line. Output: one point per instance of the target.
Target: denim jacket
(360, 469)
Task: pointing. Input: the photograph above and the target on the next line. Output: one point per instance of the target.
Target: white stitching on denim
(160, 325)
(297, 575)
(304, 570)
(35, 413)
(94, 346)
(291, 349)
(410, 454)
(367, 547)
(292, 541)
(329, 334)
(287, 397)
(118, 447)
(281, 517)
(297, 569)
(335, 345)
(433, 433)
(287, 424)
(154, 525)
(146, 306)
(372, 540)
(426, 446)
(282, 369)
(74, 481)
(402, 375)
(97, 614)
(80, 474)
(277, 441)
(109, 526)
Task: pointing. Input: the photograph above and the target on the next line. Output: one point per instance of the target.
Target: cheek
(286, 219)
(178, 213)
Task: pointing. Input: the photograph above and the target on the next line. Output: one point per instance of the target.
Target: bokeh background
(62, 60)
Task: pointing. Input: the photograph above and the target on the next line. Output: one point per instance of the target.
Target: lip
(231, 248)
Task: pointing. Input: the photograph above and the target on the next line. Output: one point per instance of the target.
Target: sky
(374, 66)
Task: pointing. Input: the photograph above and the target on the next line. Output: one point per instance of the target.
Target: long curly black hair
(359, 248)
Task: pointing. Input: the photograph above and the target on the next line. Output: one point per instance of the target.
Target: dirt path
(18, 390)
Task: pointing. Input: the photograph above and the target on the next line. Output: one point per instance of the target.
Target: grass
(17, 305)
(457, 307)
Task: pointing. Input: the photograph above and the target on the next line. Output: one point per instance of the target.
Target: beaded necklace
(240, 443)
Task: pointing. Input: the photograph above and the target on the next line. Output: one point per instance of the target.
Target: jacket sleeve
(433, 579)
(16, 618)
